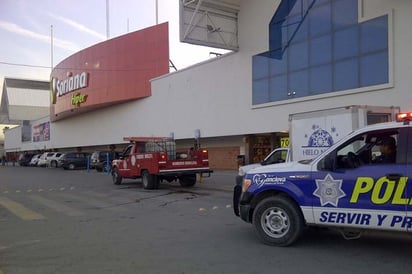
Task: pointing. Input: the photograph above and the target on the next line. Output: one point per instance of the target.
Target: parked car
(98, 159)
(53, 160)
(34, 160)
(43, 159)
(24, 159)
(73, 160)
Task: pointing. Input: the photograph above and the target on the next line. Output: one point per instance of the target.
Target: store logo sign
(73, 82)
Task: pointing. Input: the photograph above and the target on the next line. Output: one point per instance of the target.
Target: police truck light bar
(404, 116)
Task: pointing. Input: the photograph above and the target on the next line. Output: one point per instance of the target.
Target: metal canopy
(210, 23)
(24, 100)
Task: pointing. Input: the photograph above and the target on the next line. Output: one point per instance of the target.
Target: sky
(27, 28)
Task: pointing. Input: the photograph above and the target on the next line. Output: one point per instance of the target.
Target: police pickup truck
(360, 183)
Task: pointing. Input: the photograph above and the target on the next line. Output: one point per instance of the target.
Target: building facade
(291, 57)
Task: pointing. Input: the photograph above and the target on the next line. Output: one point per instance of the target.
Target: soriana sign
(72, 83)
(112, 72)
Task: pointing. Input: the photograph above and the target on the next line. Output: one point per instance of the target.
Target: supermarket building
(288, 57)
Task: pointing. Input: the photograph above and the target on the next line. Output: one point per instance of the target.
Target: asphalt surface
(79, 222)
(223, 180)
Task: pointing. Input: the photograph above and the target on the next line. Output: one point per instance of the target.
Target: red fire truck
(155, 159)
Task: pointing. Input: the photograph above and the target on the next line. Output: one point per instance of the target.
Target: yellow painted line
(228, 206)
(202, 209)
(18, 191)
(215, 208)
(19, 210)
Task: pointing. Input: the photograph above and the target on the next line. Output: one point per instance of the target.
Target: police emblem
(329, 191)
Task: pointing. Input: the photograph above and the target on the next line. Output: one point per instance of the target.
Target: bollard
(107, 163)
(88, 163)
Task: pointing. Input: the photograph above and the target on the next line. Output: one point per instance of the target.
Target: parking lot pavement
(223, 180)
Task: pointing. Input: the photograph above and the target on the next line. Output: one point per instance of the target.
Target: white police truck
(346, 187)
(278, 155)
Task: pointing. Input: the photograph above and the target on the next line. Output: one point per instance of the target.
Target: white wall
(13, 139)
(215, 96)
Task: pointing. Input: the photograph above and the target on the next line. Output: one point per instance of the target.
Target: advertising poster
(41, 132)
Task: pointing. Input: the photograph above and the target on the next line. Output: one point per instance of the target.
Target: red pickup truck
(155, 159)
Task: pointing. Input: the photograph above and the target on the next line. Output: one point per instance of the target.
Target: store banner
(41, 132)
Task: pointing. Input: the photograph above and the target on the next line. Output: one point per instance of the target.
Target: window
(345, 43)
(346, 74)
(320, 20)
(276, 157)
(320, 44)
(321, 50)
(127, 151)
(320, 79)
(373, 148)
(374, 69)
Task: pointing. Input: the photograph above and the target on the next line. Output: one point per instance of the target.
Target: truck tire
(149, 181)
(278, 221)
(187, 180)
(117, 180)
(156, 182)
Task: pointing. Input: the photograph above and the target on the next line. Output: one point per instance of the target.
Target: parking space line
(19, 210)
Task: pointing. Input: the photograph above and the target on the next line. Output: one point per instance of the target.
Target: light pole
(107, 20)
(51, 46)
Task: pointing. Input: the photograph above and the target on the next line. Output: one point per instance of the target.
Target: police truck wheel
(187, 180)
(278, 221)
(117, 180)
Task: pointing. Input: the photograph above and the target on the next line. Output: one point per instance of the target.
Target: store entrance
(260, 145)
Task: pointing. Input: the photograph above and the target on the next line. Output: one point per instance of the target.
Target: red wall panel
(118, 70)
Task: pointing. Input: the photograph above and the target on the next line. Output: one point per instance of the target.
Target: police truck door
(357, 190)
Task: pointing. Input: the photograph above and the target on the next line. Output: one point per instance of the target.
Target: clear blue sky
(25, 31)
